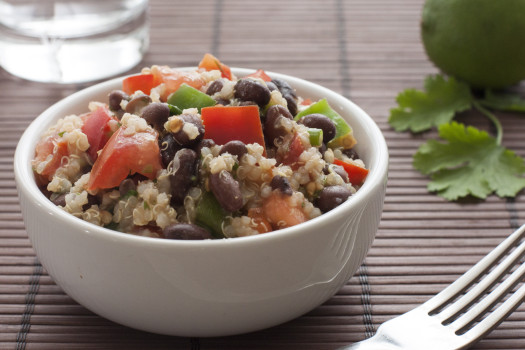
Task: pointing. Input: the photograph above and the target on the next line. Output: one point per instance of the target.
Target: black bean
(227, 190)
(186, 232)
(136, 104)
(273, 127)
(47, 193)
(282, 184)
(184, 166)
(271, 86)
(320, 121)
(126, 186)
(247, 103)
(288, 93)
(252, 90)
(331, 197)
(92, 200)
(322, 148)
(278, 110)
(204, 143)
(235, 147)
(339, 170)
(215, 87)
(180, 134)
(291, 104)
(284, 87)
(222, 101)
(156, 114)
(59, 200)
(351, 153)
(168, 147)
(115, 98)
(138, 178)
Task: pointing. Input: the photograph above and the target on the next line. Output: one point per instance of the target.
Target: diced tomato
(306, 102)
(173, 78)
(295, 149)
(51, 145)
(356, 174)
(210, 62)
(142, 82)
(227, 123)
(259, 73)
(259, 219)
(97, 129)
(123, 155)
(280, 213)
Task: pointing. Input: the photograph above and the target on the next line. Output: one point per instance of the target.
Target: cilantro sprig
(422, 110)
(469, 162)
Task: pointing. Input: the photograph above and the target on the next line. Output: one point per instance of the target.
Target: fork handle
(377, 342)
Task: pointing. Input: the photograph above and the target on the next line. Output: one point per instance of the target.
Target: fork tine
(488, 281)
(471, 275)
(491, 299)
(497, 316)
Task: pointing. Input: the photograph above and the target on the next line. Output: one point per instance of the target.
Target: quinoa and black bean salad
(199, 154)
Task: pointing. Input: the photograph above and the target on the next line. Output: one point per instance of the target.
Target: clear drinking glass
(72, 41)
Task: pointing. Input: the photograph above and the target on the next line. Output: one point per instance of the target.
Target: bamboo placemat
(367, 50)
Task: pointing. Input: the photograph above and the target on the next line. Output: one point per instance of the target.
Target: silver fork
(463, 312)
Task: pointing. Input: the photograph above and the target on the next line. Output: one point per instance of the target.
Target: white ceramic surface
(205, 288)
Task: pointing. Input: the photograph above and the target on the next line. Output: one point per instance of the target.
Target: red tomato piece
(306, 102)
(173, 79)
(356, 174)
(123, 155)
(295, 149)
(210, 62)
(227, 123)
(280, 213)
(259, 73)
(97, 129)
(142, 82)
(259, 220)
(51, 146)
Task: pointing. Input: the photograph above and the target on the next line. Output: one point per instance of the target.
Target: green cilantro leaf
(471, 163)
(504, 101)
(421, 110)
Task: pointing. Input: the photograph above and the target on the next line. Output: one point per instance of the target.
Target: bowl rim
(25, 181)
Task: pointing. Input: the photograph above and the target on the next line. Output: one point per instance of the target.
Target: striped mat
(367, 50)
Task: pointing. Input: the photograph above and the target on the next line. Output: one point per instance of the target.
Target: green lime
(478, 41)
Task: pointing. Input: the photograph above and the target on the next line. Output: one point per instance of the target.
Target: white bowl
(213, 287)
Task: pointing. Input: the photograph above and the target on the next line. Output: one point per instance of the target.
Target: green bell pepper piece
(188, 97)
(344, 134)
(316, 136)
(174, 110)
(210, 214)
